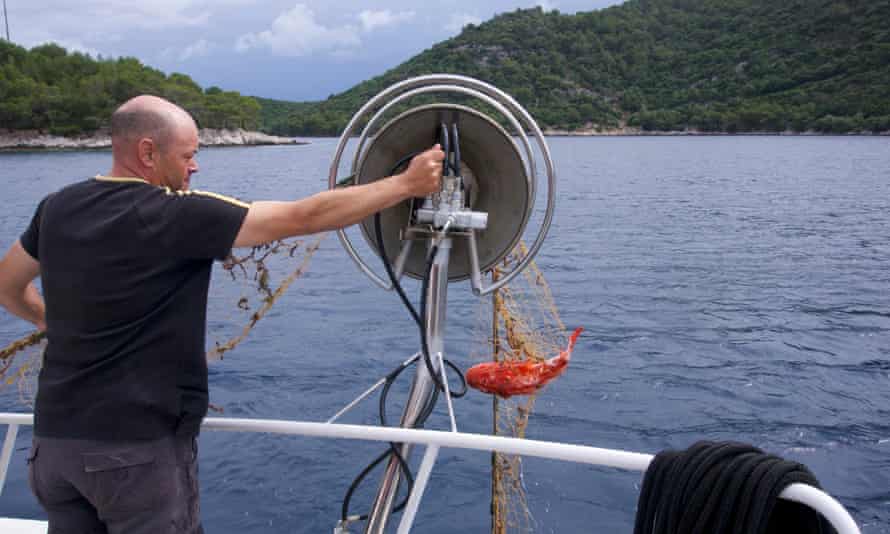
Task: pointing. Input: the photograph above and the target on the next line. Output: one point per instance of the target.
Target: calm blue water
(731, 288)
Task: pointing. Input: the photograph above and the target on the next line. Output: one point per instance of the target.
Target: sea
(730, 288)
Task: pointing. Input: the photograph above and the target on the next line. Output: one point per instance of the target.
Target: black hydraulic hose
(418, 317)
(455, 138)
(446, 147)
(424, 343)
(390, 378)
(344, 510)
(381, 248)
(427, 359)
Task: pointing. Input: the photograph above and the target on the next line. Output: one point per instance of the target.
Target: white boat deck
(826, 505)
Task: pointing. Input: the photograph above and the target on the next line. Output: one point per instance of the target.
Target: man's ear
(147, 152)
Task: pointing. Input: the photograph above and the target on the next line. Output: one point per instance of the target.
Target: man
(125, 264)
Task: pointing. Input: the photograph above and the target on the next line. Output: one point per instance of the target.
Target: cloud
(197, 49)
(458, 20)
(378, 19)
(156, 14)
(297, 33)
(95, 26)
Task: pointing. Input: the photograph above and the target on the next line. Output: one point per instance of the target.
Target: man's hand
(424, 174)
(328, 210)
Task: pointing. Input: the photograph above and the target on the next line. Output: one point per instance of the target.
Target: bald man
(125, 263)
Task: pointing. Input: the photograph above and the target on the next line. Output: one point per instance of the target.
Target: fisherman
(125, 262)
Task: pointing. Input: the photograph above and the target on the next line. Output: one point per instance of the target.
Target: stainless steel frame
(504, 103)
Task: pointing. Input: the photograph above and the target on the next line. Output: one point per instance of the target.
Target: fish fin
(574, 337)
(567, 353)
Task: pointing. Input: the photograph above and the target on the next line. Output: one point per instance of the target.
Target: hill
(656, 65)
(52, 90)
(706, 65)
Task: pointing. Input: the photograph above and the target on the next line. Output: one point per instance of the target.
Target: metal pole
(423, 477)
(6, 19)
(6, 454)
(421, 390)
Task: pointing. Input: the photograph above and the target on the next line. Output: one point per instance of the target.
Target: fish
(519, 377)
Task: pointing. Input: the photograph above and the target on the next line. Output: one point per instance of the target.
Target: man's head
(154, 139)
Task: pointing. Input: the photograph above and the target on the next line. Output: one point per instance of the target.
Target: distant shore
(638, 132)
(34, 140)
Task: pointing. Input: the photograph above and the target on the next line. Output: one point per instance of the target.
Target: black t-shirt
(125, 268)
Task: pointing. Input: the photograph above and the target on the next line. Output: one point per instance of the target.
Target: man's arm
(17, 292)
(329, 210)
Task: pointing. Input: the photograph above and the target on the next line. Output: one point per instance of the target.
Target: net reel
(499, 179)
(471, 224)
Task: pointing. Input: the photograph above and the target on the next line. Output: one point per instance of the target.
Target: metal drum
(492, 168)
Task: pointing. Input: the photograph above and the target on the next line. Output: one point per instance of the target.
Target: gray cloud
(296, 32)
(340, 43)
(372, 20)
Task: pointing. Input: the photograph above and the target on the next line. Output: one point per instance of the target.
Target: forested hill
(50, 89)
(708, 65)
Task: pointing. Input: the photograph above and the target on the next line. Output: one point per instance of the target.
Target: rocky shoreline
(639, 132)
(209, 137)
(35, 140)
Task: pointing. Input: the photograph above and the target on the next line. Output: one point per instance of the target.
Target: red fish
(519, 377)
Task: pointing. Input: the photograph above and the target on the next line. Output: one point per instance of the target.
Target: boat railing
(434, 440)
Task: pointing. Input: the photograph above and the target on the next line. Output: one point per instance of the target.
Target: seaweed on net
(257, 270)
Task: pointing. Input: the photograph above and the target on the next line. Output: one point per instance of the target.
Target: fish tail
(557, 363)
(567, 354)
(573, 338)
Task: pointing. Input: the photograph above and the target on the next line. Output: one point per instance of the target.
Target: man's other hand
(424, 174)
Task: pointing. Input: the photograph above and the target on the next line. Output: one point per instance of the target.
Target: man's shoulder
(67, 191)
(76, 188)
(210, 195)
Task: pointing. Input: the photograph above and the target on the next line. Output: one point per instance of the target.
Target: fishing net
(264, 274)
(254, 280)
(19, 364)
(519, 322)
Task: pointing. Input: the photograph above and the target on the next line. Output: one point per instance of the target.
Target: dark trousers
(96, 487)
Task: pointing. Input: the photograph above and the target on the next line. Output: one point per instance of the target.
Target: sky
(287, 49)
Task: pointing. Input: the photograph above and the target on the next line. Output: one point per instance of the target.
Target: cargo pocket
(123, 481)
(96, 462)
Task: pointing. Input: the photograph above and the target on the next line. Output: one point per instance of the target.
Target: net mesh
(262, 275)
(258, 272)
(520, 321)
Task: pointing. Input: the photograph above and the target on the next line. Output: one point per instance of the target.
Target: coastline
(25, 140)
(639, 132)
(208, 137)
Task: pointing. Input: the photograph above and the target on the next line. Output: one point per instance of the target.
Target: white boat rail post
(6, 455)
(444, 375)
(423, 476)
